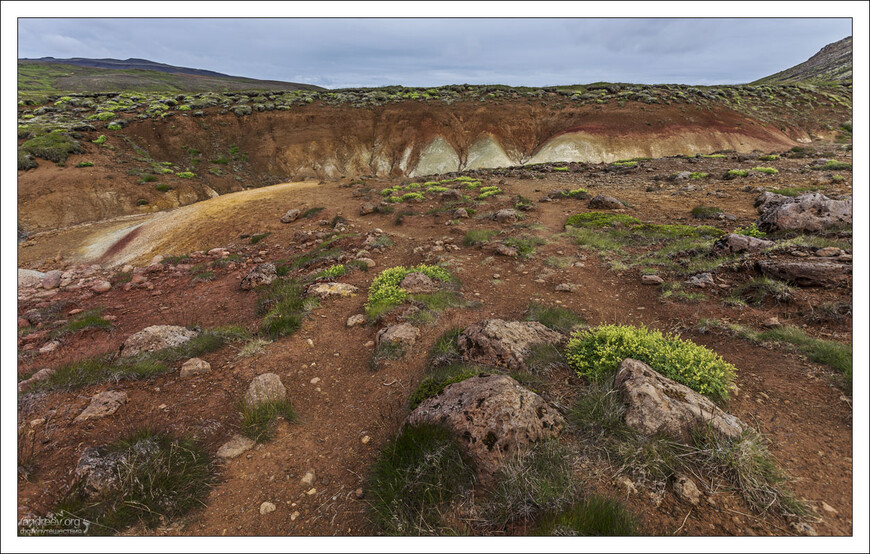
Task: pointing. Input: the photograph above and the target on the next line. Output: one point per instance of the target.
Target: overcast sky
(338, 53)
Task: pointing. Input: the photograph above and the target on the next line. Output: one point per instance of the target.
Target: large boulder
(51, 279)
(736, 244)
(156, 337)
(656, 404)
(264, 389)
(262, 274)
(29, 278)
(403, 333)
(503, 343)
(103, 404)
(809, 212)
(493, 416)
(419, 283)
(806, 272)
(290, 216)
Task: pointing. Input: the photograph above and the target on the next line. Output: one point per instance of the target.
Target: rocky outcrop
(156, 337)
(809, 212)
(503, 343)
(806, 272)
(262, 274)
(103, 404)
(403, 333)
(493, 416)
(656, 404)
(29, 278)
(737, 244)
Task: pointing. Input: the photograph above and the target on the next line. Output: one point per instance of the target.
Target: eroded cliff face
(411, 139)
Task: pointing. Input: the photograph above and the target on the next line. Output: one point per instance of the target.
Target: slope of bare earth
(340, 400)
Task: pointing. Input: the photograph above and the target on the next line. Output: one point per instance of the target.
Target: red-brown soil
(794, 402)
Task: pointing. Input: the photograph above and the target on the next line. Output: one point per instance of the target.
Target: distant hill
(52, 75)
(831, 63)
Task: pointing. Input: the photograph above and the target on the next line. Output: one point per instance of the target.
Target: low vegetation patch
(385, 293)
(258, 422)
(833, 165)
(676, 291)
(525, 245)
(556, 318)
(751, 231)
(600, 219)
(706, 212)
(416, 479)
(734, 173)
(763, 289)
(478, 236)
(285, 307)
(55, 146)
(160, 478)
(90, 319)
(594, 516)
(595, 354)
(767, 170)
(257, 238)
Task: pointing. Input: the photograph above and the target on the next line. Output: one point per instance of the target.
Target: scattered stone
(97, 470)
(158, 259)
(803, 528)
(138, 279)
(651, 280)
(368, 261)
(265, 388)
(772, 322)
(460, 213)
(686, 490)
(49, 347)
(493, 416)
(22, 323)
(602, 202)
(402, 333)
(503, 343)
(29, 278)
(566, 287)
(682, 176)
(354, 320)
(656, 404)
(262, 274)
(366, 439)
(825, 506)
(810, 212)
(506, 216)
(359, 493)
(735, 244)
(218, 252)
(52, 279)
(101, 286)
(266, 507)
(309, 478)
(40, 375)
(827, 252)
(294, 515)
(419, 283)
(103, 404)
(325, 290)
(290, 216)
(806, 272)
(505, 250)
(367, 208)
(702, 280)
(236, 446)
(194, 366)
(156, 337)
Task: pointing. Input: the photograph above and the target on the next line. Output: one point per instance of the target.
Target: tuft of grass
(698, 175)
(258, 422)
(767, 170)
(594, 516)
(90, 319)
(759, 290)
(734, 173)
(593, 240)
(185, 174)
(445, 350)
(600, 219)
(159, 478)
(257, 238)
(478, 236)
(92, 371)
(768, 158)
(525, 245)
(796, 191)
(332, 272)
(386, 351)
(254, 347)
(285, 308)
(558, 319)
(311, 212)
(595, 354)
(833, 165)
(675, 291)
(706, 212)
(559, 262)
(415, 480)
(530, 483)
(439, 378)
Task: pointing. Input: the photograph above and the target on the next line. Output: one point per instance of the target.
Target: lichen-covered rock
(325, 290)
(264, 389)
(290, 216)
(262, 274)
(602, 202)
(194, 366)
(103, 404)
(808, 212)
(367, 208)
(40, 375)
(403, 333)
(736, 244)
(29, 278)
(235, 446)
(98, 466)
(656, 404)
(506, 216)
(806, 272)
(503, 343)
(505, 250)
(419, 283)
(493, 416)
(156, 337)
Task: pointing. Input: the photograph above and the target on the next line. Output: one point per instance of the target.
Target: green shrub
(415, 479)
(768, 158)
(600, 219)
(104, 116)
(714, 156)
(162, 188)
(751, 231)
(100, 139)
(411, 196)
(384, 292)
(85, 164)
(332, 272)
(768, 170)
(113, 127)
(160, 478)
(698, 175)
(624, 164)
(733, 173)
(185, 174)
(594, 516)
(833, 165)
(54, 147)
(596, 353)
(576, 193)
(486, 192)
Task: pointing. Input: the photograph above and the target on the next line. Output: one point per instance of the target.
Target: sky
(338, 53)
